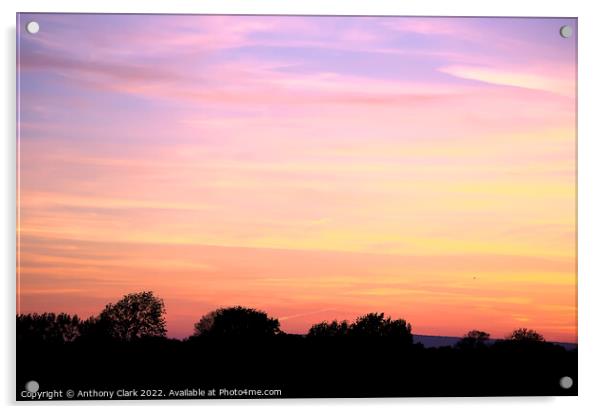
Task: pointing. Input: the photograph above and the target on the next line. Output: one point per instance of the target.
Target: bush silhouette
(94, 329)
(237, 321)
(371, 325)
(473, 340)
(333, 328)
(525, 340)
(48, 327)
(525, 335)
(135, 316)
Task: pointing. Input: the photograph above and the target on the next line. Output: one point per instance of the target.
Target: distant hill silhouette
(434, 341)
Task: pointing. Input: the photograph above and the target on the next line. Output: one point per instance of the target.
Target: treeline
(125, 346)
(141, 316)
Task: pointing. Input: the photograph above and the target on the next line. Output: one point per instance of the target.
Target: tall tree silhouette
(135, 316)
(237, 321)
(474, 340)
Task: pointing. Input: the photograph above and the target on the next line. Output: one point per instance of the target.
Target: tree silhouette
(376, 325)
(473, 340)
(525, 335)
(371, 325)
(237, 321)
(333, 328)
(135, 316)
(48, 327)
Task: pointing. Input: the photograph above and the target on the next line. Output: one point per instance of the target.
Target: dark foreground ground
(289, 367)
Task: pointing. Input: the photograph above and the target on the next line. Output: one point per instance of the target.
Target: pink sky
(312, 167)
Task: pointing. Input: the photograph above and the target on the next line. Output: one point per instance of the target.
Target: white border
(590, 201)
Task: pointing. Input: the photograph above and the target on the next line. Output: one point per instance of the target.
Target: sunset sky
(312, 167)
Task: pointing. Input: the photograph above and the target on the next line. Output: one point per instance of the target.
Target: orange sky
(315, 168)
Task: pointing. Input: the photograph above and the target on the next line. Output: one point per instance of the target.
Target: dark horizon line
(576, 343)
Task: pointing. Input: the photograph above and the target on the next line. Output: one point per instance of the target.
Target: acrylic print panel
(295, 206)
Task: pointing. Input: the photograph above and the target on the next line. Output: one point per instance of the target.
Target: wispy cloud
(560, 84)
(299, 164)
